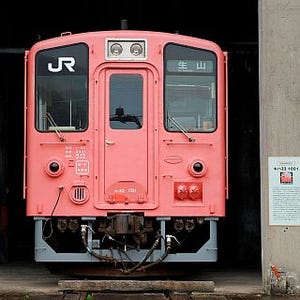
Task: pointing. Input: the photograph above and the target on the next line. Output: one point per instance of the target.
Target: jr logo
(68, 62)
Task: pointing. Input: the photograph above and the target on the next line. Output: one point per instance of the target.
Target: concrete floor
(30, 280)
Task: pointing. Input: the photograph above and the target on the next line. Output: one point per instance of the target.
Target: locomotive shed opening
(232, 25)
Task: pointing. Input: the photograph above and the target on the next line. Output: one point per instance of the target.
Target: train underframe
(129, 241)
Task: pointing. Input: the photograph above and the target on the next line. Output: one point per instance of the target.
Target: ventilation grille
(79, 194)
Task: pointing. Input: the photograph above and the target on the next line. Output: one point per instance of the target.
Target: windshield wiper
(181, 128)
(55, 127)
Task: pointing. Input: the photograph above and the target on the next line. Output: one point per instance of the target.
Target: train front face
(125, 147)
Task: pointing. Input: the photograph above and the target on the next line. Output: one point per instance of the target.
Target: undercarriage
(131, 242)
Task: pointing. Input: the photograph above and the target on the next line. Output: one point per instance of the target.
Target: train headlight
(54, 167)
(197, 168)
(116, 49)
(126, 49)
(136, 49)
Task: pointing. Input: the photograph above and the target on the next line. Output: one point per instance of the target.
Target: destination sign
(200, 66)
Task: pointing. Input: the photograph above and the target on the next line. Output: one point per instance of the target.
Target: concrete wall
(279, 51)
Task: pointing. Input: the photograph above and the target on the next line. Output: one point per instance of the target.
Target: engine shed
(261, 228)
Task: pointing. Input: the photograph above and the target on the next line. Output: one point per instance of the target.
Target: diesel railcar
(125, 154)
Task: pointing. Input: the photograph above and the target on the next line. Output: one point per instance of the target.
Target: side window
(62, 88)
(190, 89)
(126, 101)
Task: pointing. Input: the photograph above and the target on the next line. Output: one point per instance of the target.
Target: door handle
(108, 142)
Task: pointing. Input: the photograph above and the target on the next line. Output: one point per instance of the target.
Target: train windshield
(190, 89)
(61, 88)
(126, 101)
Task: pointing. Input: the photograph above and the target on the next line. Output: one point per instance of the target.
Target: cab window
(190, 89)
(62, 88)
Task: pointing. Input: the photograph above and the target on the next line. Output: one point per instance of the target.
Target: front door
(126, 143)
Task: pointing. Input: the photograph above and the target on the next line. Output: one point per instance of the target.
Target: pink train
(125, 147)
